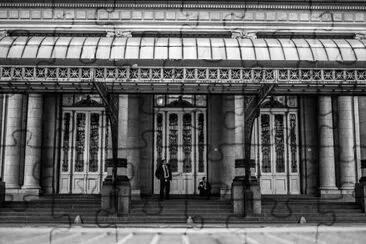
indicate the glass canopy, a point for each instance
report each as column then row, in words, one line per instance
column 119, row 48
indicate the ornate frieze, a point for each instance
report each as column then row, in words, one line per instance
column 180, row 74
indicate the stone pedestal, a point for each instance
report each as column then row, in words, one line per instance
column 247, row 199
column 255, row 188
column 253, row 199
column 116, row 195
column 237, row 189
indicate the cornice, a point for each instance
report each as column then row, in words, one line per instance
column 111, row 6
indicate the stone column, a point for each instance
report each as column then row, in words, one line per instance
column 13, row 137
column 227, row 145
column 326, row 148
column 33, row 147
column 50, row 144
column 239, row 127
column 361, row 186
column 128, row 142
column 362, row 123
column 346, row 144
column 133, row 144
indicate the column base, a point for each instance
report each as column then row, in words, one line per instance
column 225, row 193
column 348, row 195
column 136, row 194
column 22, row 195
column 120, row 194
column 330, row 192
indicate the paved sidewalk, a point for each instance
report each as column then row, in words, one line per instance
column 255, row 235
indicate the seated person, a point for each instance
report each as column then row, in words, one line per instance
column 204, row 188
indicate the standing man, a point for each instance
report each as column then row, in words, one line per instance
column 164, row 174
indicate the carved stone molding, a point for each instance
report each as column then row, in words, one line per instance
column 187, row 5
column 224, row 16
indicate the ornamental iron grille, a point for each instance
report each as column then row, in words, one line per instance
column 94, row 142
column 187, row 143
column 159, row 136
column 279, row 143
column 173, row 142
column 201, row 143
column 80, row 142
column 266, row 143
column 179, row 74
column 293, row 143
column 66, row 142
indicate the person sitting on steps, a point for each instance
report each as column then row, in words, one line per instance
column 205, row 188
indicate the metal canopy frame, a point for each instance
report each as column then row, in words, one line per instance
column 114, row 49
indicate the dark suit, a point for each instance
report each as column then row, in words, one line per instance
column 165, row 176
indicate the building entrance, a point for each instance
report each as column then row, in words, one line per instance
column 180, row 138
column 278, row 150
column 82, row 152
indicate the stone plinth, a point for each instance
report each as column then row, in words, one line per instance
column 116, row 194
column 255, row 188
column 237, row 190
column 119, row 194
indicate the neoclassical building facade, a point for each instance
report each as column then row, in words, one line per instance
column 183, row 75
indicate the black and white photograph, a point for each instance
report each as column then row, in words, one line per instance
column 182, row 121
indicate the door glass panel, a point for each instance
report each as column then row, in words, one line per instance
column 266, row 143
column 173, row 142
column 201, row 143
column 80, row 142
column 293, row 142
column 66, row 139
column 94, row 143
column 279, row 143
column 187, row 143
column 159, row 137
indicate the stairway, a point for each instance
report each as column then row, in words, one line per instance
column 62, row 209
